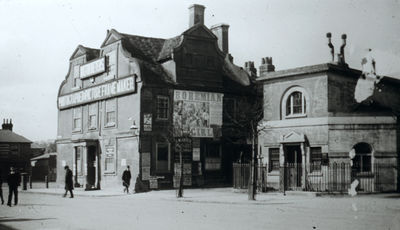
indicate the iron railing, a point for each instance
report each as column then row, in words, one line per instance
column 332, row 177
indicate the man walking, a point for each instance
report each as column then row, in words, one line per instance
column 126, row 179
column 13, row 180
column 68, row 182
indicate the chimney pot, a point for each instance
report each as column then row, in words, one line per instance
column 222, row 33
column 249, row 67
column 266, row 65
column 196, row 15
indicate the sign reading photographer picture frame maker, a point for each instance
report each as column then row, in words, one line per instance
column 198, row 112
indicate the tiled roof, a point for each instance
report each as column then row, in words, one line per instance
column 153, row 51
column 143, row 47
column 148, row 51
column 10, row 136
column 168, row 47
column 92, row 53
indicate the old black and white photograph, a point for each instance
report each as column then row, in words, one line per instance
column 200, row 114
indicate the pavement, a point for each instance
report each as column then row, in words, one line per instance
column 207, row 195
column 215, row 208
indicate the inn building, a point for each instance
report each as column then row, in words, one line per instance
column 128, row 102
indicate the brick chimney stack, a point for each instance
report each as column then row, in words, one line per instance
column 266, row 65
column 6, row 125
column 222, row 32
column 196, row 15
column 249, row 67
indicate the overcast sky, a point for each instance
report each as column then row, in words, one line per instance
column 38, row 38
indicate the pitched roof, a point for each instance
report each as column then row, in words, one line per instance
column 153, row 51
column 168, row 47
column 148, row 50
column 44, row 156
column 10, row 136
column 91, row 53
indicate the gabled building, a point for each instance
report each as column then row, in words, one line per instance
column 15, row 150
column 318, row 137
column 126, row 103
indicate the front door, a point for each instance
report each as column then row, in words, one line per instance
column 91, row 167
column 293, row 167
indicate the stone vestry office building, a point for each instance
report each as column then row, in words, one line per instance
column 314, row 124
column 118, row 104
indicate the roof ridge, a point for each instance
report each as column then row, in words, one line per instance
column 140, row 36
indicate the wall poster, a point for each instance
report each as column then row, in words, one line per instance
column 147, row 122
column 198, row 112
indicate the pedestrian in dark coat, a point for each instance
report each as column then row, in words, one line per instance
column 13, row 180
column 126, row 179
column 1, row 189
column 69, row 186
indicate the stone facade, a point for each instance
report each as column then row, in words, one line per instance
column 311, row 116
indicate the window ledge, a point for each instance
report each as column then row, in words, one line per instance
column 77, row 131
column 110, row 125
column 296, row 116
column 75, row 88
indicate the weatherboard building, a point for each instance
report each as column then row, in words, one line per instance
column 124, row 104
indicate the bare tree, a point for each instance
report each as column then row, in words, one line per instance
column 246, row 121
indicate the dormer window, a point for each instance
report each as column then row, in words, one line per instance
column 294, row 103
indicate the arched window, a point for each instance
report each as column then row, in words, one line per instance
column 362, row 159
column 294, row 103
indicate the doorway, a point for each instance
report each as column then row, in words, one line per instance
column 91, row 167
column 293, row 167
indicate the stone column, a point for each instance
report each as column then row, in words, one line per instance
column 303, row 167
column 96, row 180
column 282, row 185
column 85, row 165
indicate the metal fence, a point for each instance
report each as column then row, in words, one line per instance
column 333, row 177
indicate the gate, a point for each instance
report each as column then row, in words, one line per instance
column 293, row 173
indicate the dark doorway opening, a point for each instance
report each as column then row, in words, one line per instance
column 293, row 167
column 91, row 167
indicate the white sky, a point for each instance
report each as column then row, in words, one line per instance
column 38, row 38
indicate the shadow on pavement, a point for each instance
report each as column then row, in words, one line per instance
column 34, row 205
column 4, row 227
column 396, row 196
column 7, row 219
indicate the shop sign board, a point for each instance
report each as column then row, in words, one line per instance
column 99, row 92
column 197, row 112
column 93, row 68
